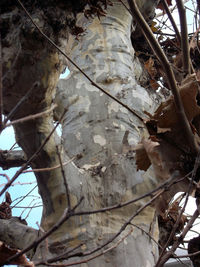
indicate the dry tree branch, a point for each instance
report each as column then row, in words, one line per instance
column 184, row 37
column 32, row 117
column 164, row 186
column 9, row 159
column 123, row 227
column 51, row 168
column 168, row 12
column 168, row 71
column 59, row 257
column 64, row 179
column 179, row 240
column 148, row 234
column 23, row 197
column 72, row 62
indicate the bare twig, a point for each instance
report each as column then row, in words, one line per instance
column 194, row 171
column 63, row 256
column 150, row 236
column 179, row 240
column 6, row 176
column 93, row 257
column 168, row 71
column 25, row 196
column 31, row 117
column 66, row 215
column 64, row 179
column 50, row 168
column 32, row 157
column 184, row 37
column 128, row 222
column 168, row 12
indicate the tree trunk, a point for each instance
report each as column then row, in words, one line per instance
column 95, row 127
column 102, row 133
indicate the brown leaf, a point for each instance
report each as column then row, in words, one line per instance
column 166, row 114
column 154, row 84
column 149, row 66
column 142, row 160
column 7, row 252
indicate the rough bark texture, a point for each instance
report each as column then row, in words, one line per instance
column 94, row 126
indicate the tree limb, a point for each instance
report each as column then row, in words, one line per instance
column 12, row 158
column 12, row 231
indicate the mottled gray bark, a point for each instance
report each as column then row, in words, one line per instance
column 10, row 159
column 94, row 126
column 12, row 232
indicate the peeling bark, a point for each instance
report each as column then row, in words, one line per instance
column 94, row 126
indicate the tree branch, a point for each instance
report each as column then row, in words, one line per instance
column 12, row 158
column 168, row 71
column 171, row 20
column 12, row 231
column 184, row 37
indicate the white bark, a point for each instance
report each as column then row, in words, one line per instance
column 95, row 125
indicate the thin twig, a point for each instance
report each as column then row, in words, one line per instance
column 128, row 222
column 93, row 257
column 59, row 257
column 168, row 12
column 32, row 157
column 184, row 37
column 66, row 215
column 50, row 168
column 165, row 185
column 19, row 103
column 194, row 171
column 24, row 196
column 31, row 117
column 64, row 179
column 73, row 63
column 168, row 71
column 143, row 231
column 179, row 240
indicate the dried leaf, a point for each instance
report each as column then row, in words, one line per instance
column 142, row 160
column 7, row 252
column 166, row 114
column 154, row 84
column 149, row 66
